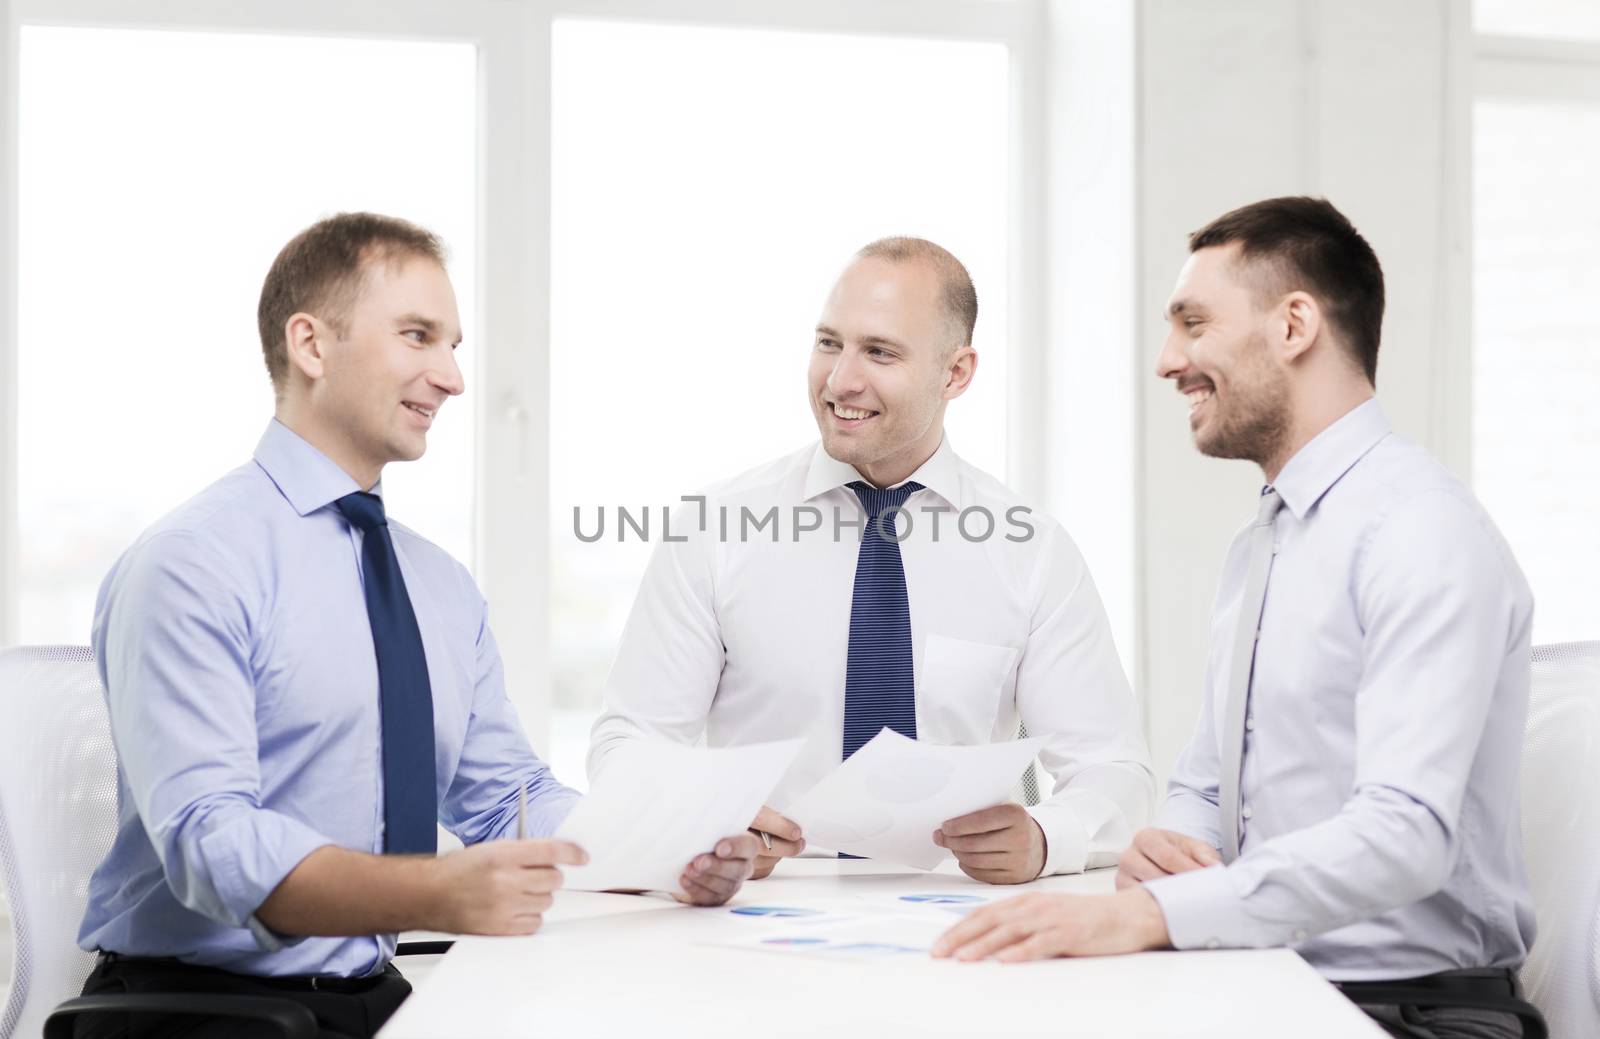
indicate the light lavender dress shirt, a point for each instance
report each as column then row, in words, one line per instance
column 243, row 691
column 1380, row 789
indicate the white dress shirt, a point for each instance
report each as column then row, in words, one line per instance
column 740, row 641
column 1380, row 832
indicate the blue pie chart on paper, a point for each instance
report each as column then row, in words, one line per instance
column 943, row 899
column 773, row 911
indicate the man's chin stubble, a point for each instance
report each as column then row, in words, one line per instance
column 1258, row 444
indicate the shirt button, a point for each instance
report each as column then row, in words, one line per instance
column 1250, row 722
column 1213, row 944
column 1248, row 812
column 1299, row 935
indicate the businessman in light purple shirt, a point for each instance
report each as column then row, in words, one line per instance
column 1351, row 791
column 244, row 693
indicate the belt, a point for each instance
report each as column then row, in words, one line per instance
column 281, row 982
column 1493, row 988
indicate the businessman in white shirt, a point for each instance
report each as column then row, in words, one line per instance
column 1351, row 790
column 875, row 579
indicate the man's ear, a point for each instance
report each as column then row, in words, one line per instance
column 959, row 370
column 303, row 336
column 1302, row 325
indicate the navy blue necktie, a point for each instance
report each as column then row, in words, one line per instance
column 878, row 687
column 405, row 697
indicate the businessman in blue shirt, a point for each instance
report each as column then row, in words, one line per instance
column 300, row 689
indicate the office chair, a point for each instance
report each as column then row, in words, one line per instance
column 58, row 815
column 1561, row 836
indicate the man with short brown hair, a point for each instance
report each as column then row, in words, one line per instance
column 322, row 270
column 302, row 690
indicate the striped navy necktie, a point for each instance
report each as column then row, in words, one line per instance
column 878, row 686
column 405, row 696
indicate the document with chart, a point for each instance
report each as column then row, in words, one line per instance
column 881, row 925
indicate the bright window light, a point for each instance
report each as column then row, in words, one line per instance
column 709, row 185
column 160, row 172
column 1551, row 19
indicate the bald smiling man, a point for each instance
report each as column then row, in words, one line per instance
column 894, row 585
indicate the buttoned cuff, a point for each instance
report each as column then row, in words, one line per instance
column 1205, row 911
column 247, row 857
column 1066, row 841
column 1201, row 909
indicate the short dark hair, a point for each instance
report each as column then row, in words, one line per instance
column 960, row 299
column 321, row 271
column 1306, row 244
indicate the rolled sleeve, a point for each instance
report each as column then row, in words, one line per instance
column 247, row 858
column 174, row 653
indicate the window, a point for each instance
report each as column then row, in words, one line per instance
column 1536, row 356
column 1538, row 18
column 159, row 174
column 612, row 205
column 707, row 187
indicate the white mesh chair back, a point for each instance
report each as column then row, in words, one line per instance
column 1561, row 836
column 58, row 814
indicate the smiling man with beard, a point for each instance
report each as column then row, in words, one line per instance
column 897, row 587
column 1351, row 790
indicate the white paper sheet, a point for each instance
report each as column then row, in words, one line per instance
column 657, row 805
column 889, row 797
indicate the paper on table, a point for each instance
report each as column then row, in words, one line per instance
column 657, row 805
column 889, row 797
column 883, row 937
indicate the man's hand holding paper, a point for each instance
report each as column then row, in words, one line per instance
column 998, row 845
column 887, row 799
column 665, row 817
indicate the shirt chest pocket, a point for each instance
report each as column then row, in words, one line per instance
column 959, row 688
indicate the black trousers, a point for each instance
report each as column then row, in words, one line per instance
column 1433, row 1007
column 345, row 1008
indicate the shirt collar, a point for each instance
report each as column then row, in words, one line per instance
column 939, row 474
column 1319, row 465
column 305, row 476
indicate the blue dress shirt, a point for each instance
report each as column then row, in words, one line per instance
column 1380, row 832
column 240, row 675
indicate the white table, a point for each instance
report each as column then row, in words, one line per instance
column 627, row 965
